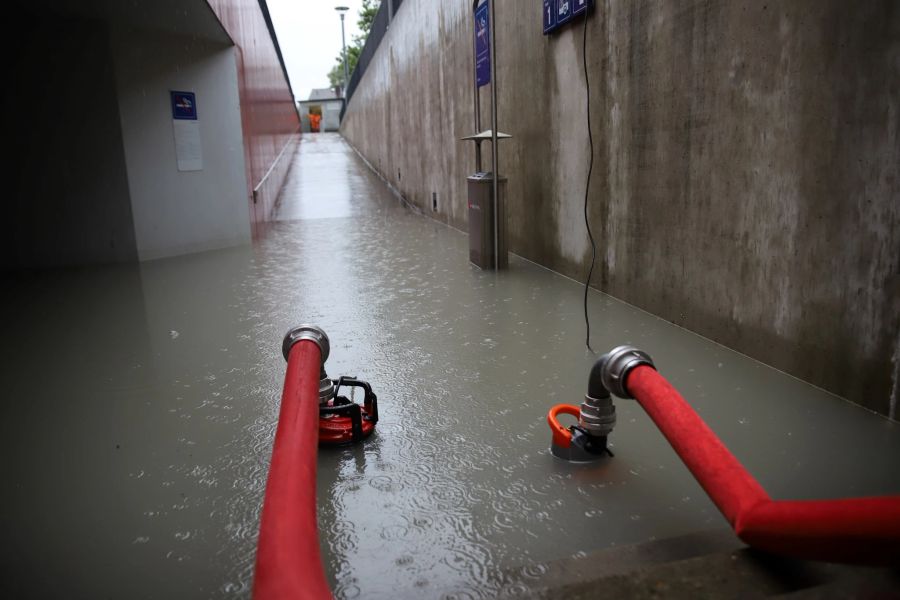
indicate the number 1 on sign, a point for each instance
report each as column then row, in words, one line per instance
column 549, row 15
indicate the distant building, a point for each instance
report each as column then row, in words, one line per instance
column 326, row 102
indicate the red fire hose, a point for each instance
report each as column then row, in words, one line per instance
column 288, row 562
column 857, row 531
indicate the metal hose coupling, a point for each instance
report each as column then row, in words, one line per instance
column 316, row 334
column 306, row 331
column 618, row 362
column 597, row 416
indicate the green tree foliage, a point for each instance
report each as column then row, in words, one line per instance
column 366, row 17
column 336, row 74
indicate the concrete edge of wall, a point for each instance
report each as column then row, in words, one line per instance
column 396, row 192
column 218, row 243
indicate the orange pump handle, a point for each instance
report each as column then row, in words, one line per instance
column 562, row 437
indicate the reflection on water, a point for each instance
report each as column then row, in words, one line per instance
column 140, row 405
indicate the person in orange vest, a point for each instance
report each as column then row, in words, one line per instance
column 314, row 121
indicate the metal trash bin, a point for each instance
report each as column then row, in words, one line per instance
column 481, row 221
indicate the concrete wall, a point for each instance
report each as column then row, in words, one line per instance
column 331, row 116
column 746, row 174
column 61, row 124
column 180, row 212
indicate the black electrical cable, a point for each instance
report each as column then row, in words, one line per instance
column 587, row 188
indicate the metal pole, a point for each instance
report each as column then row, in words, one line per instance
column 494, row 150
column 346, row 66
column 477, row 97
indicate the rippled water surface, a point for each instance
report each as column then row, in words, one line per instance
column 140, row 405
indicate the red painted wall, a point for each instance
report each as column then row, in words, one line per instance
column 268, row 114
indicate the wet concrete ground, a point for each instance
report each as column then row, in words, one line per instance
column 140, row 404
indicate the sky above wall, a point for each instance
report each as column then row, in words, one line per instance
column 309, row 33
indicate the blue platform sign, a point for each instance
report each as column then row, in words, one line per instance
column 482, row 45
column 184, row 106
column 559, row 12
column 564, row 12
column 549, row 15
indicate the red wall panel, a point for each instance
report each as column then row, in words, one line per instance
column 268, row 114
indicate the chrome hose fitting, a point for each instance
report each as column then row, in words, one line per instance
column 326, row 387
column 313, row 333
column 619, row 362
column 597, row 416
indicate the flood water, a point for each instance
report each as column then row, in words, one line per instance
column 140, row 405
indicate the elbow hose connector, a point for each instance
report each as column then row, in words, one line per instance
column 598, row 413
column 614, row 367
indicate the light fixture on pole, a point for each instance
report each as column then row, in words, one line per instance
column 342, row 10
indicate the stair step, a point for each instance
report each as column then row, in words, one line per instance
column 701, row 565
column 616, row 560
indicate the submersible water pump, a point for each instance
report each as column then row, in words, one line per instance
column 586, row 441
column 341, row 421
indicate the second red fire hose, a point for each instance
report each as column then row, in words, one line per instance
column 857, row 530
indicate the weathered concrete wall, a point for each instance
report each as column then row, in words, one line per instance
column 746, row 174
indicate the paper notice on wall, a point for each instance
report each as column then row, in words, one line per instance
column 186, row 127
column 188, row 151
